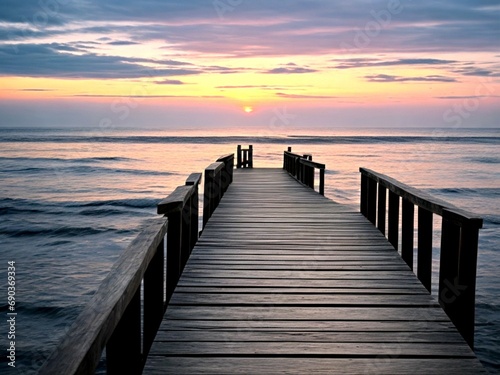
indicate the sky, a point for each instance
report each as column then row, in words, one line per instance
column 248, row 64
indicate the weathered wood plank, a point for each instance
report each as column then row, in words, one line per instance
column 391, row 364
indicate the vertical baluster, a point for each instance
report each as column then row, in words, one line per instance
column 322, row 181
column 424, row 256
column 238, row 156
column 125, row 342
column 185, row 232
column 174, row 242
column 407, row 235
column 250, row 156
column 448, row 266
column 372, row 200
column 364, row 195
column 153, row 297
column 393, row 234
column 381, row 208
column 466, row 285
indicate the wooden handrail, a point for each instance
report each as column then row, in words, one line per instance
column 112, row 318
column 459, row 241
column 302, row 168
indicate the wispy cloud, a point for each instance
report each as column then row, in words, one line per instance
column 299, row 96
column 36, row 90
column 454, row 97
column 122, row 43
column 368, row 63
column 170, row 82
column 52, row 60
column 391, row 78
column 149, row 96
column 290, row 68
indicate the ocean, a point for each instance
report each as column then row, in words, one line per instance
column 72, row 199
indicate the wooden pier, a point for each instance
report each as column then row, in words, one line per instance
column 282, row 280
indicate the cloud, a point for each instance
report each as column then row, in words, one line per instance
column 452, row 97
column 391, row 78
column 122, row 43
column 477, row 72
column 368, row 63
column 148, row 96
column 52, row 63
column 36, row 90
column 170, row 82
column 290, row 68
column 296, row 96
column 261, row 87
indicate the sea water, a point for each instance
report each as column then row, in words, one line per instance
column 72, row 199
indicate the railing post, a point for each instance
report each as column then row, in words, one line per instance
column 393, row 233
column 125, row 342
column 372, row 200
column 322, row 181
column 381, row 208
column 176, row 207
column 213, row 190
column 227, row 172
column 448, row 267
column 238, row 156
column 174, row 241
column 424, row 254
column 250, row 156
column 364, row 195
column 186, row 233
column 408, row 227
column 154, row 305
column 467, row 269
column 194, row 180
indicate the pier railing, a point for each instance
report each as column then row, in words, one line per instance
column 302, row 168
column 244, row 157
column 124, row 314
column 218, row 177
column 459, row 241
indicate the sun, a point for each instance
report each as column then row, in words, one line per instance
column 248, row 109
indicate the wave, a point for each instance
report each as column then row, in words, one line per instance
column 84, row 170
column 11, row 206
column 486, row 192
column 60, row 231
column 131, row 203
column 74, row 160
column 485, row 160
column 292, row 139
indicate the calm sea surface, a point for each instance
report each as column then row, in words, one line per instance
column 71, row 201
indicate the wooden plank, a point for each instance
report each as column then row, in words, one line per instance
column 318, row 300
column 312, row 349
column 345, row 326
column 391, row 364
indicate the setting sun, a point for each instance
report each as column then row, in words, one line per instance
column 248, row 109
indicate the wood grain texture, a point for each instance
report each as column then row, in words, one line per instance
column 283, row 280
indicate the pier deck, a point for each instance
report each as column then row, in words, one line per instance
column 284, row 280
